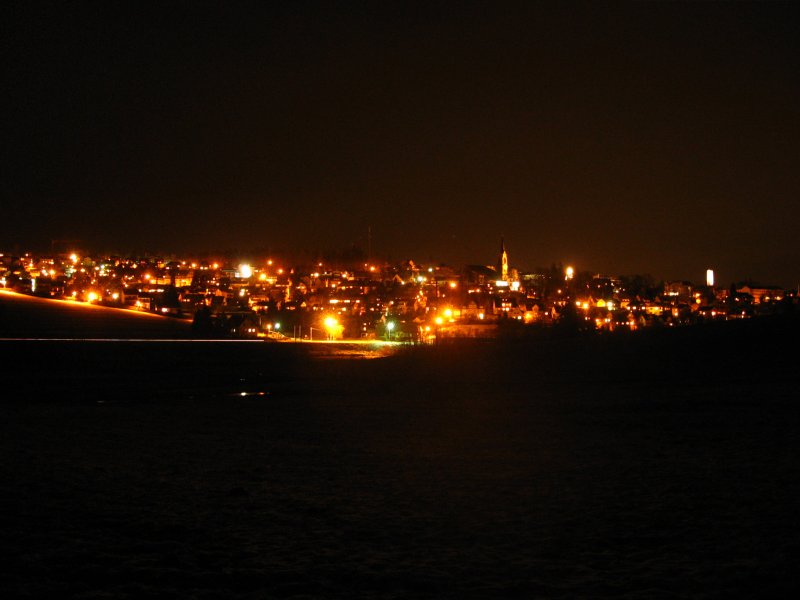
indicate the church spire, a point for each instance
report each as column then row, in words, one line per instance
column 503, row 260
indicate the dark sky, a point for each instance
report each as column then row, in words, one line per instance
column 650, row 137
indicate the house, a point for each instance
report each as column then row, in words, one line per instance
column 763, row 294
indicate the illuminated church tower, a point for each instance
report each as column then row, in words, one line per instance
column 503, row 260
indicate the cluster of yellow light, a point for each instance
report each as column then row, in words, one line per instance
column 333, row 327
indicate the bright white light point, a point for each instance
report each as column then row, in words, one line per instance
column 245, row 271
column 390, row 325
column 710, row 277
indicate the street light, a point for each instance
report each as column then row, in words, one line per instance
column 332, row 326
column 245, row 271
column 389, row 329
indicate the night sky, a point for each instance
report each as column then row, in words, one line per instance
column 622, row 138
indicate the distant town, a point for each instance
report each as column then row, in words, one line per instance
column 359, row 298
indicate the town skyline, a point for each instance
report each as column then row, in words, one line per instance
column 351, row 256
column 354, row 298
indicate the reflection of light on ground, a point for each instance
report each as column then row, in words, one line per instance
column 343, row 349
column 376, row 343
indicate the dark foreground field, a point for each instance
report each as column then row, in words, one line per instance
column 31, row 317
column 650, row 466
